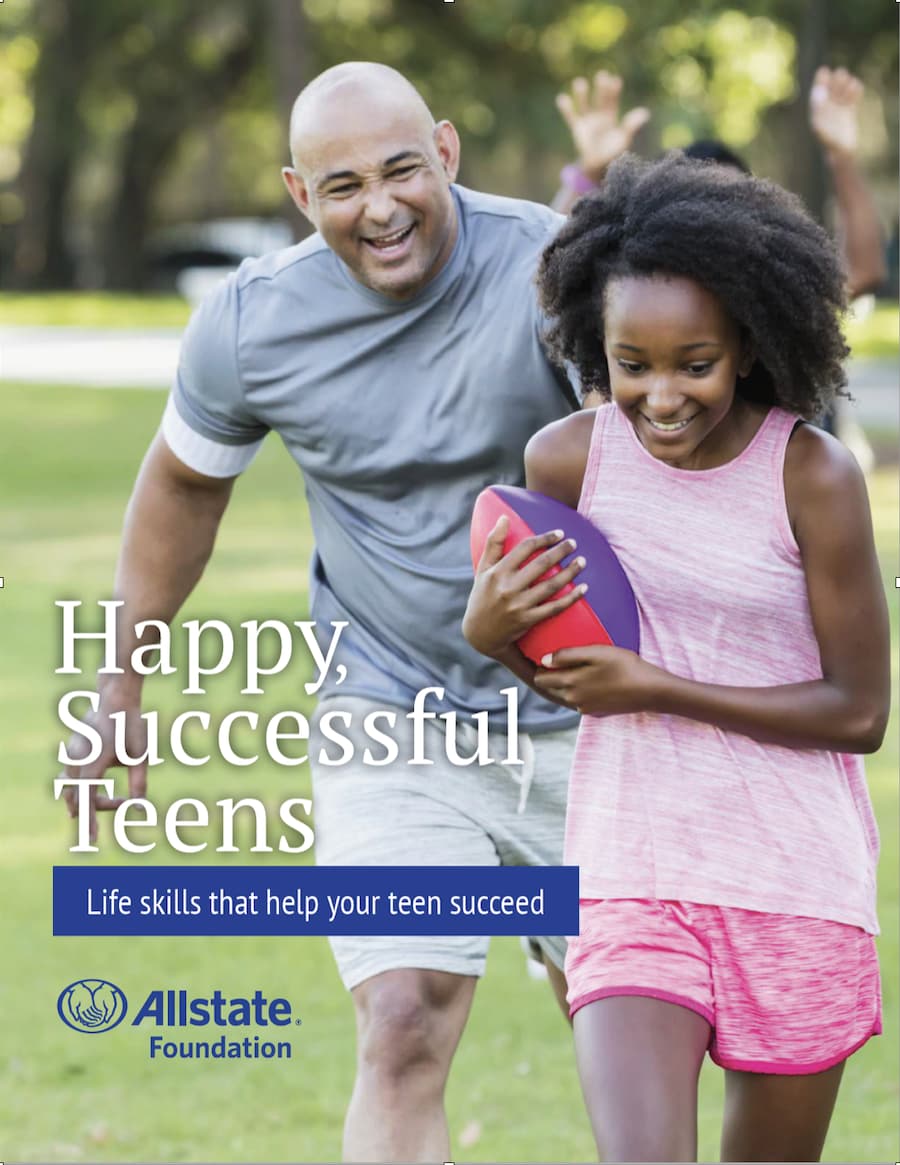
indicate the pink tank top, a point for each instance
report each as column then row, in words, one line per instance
column 665, row 807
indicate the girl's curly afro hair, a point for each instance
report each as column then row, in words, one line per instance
column 746, row 240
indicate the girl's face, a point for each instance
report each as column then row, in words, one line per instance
column 674, row 356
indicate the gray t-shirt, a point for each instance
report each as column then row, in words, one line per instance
column 398, row 414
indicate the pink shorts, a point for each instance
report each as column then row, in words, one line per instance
column 781, row 994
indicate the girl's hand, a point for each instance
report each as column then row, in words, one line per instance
column 598, row 681
column 507, row 599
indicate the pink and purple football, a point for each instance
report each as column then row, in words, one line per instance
column 606, row 614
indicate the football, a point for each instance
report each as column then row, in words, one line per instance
column 606, row 614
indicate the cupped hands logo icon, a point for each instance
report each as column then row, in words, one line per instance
column 92, row 1005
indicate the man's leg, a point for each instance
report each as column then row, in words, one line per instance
column 408, row 1026
column 411, row 994
column 558, row 984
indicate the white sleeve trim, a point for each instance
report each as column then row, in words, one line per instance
column 202, row 454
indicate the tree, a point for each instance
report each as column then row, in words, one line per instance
column 148, row 110
column 41, row 255
column 197, row 58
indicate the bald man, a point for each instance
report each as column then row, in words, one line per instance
column 397, row 352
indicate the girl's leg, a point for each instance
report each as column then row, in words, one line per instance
column 639, row 1060
column 777, row 1118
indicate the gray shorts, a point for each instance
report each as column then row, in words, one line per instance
column 435, row 815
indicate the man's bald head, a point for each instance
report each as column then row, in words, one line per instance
column 373, row 173
column 350, row 92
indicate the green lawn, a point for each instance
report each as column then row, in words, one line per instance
column 92, row 309
column 873, row 337
column 67, row 459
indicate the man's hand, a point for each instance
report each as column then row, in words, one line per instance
column 170, row 529
column 592, row 114
column 508, row 597
column 111, row 700
column 598, row 681
column 834, row 101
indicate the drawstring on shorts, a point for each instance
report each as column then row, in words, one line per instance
column 523, row 774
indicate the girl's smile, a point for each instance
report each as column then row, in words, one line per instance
column 669, row 426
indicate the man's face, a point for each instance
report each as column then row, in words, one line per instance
column 375, row 182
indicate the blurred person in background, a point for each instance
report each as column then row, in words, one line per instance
column 600, row 134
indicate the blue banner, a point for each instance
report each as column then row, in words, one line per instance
column 323, row 900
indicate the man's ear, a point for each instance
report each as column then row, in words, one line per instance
column 298, row 191
column 446, row 141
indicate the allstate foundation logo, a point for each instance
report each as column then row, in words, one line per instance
column 92, row 1005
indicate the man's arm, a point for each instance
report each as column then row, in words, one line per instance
column 170, row 529
column 834, row 118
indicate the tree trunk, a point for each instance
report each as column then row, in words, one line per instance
column 289, row 53
column 147, row 151
column 153, row 138
column 808, row 168
column 41, row 254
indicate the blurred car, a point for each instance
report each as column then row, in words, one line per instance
column 192, row 258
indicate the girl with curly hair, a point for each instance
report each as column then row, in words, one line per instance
column 718, row 809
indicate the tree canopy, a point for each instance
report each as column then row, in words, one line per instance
column 119, row 117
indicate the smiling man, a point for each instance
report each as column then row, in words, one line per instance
column 380, row 200
column 398, row 354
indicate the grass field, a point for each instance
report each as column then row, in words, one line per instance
column 872, row 336
column 67, row 460
column 92, row 309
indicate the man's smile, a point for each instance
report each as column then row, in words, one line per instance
column 392, row 244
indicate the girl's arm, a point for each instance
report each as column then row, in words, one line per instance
column 846, row 710
column 556, row 457
column 507, row 600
